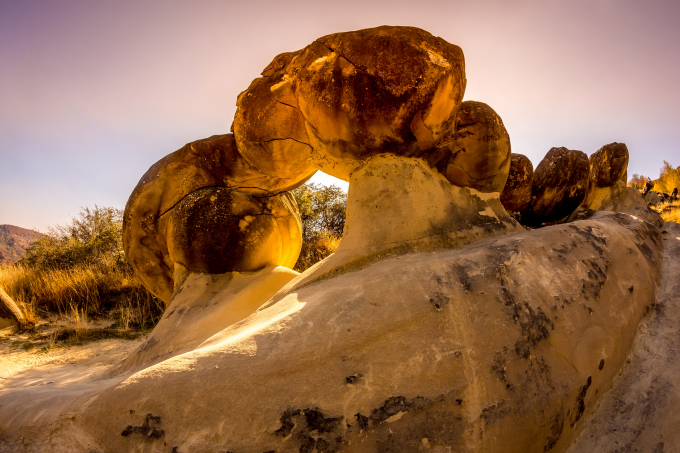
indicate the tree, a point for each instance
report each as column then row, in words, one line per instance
column 322, row 211
column 669, row 178
column 93, row 237
column 638, row 181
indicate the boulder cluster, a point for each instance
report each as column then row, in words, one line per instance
column 563, row 181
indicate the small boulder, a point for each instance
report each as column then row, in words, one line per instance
column 516, row 194
column 608, row 165
column 476, row 153
column 559, row 186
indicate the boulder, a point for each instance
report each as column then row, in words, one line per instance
column 516, row 194
column 608, row 165
column 211, row 162
column 349, row 96
column 476, row 153
column 559, row 186
column 217, row 230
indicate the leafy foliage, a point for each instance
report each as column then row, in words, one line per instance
column 638, row 181
column 669, row 178
column 323, row 211
column 94, row 237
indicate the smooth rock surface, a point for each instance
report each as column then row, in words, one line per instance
column 559, row 186
column 640, row 411
column 347, row 97
column 608, row 165
column 516, row 194
column 619, row 198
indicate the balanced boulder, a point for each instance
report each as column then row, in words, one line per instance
column 349, row 96
column 516, row 194
column 559, row 186
column 608, row 165
column 211, row 162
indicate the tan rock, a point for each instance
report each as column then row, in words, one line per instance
column 212, row 162
column 559, row 186
column 619, row 198
column 477, row 150
column 347, row 97
column 516, row 194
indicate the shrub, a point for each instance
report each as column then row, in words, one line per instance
column 669, row 178
column 323, row 211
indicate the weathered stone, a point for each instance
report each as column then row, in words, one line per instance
column 211, row 162
column 617, row 198
column 218, row 230
column 349, row 96
column 559, row 186
column 608, row 165
column 476, row 153
column 516, row 194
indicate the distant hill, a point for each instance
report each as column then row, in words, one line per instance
column 13, row 243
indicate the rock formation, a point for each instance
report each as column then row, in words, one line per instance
column 440, row 323
column 516, row 194
column 559, row 186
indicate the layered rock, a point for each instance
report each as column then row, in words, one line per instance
column 559, row 186
column 349, row 96
column 516, row 194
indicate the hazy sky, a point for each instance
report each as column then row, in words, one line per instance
column 94, row 92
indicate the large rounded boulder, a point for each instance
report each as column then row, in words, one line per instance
column 559, row 186
column 349, row 96
column 608, row 165
column 516, row 194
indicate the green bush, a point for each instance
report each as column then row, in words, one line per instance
column 323, row 211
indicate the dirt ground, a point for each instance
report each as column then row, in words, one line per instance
column 33, row 357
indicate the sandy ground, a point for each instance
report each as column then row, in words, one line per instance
column 27, row 361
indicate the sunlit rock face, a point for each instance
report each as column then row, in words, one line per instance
column 516, row 194
column 349, row 96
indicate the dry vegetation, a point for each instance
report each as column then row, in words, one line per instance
column 75, row 284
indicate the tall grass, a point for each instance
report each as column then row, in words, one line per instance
column 91, row 289
column 670, row 212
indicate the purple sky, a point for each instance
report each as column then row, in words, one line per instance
column 93, row 92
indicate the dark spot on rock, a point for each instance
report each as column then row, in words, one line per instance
column 495, row 412
column 354, row 378
column 148, row 430
column 631, row 289
column 303, row 422
column 556, row 429
column 362, row 421
column 587, row 233
column 580, row 401
column 601, row 365
column 463, row 277
column 459, row 401
column 597, row 277
column 438, row 301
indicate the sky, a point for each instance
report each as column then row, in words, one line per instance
column 92, row 93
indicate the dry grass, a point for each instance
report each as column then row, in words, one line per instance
column 313, row 251
column 82, row 292
column 670, row 211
